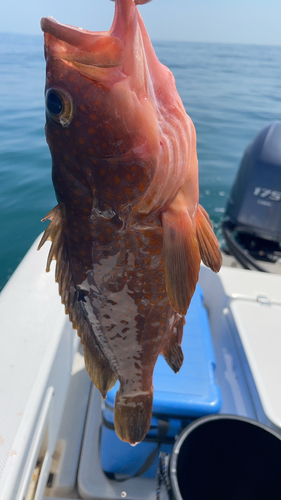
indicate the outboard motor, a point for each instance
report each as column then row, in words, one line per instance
column 252, row 226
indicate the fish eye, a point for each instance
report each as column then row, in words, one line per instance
column 59, row 106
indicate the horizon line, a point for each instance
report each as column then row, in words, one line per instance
column 154, row 40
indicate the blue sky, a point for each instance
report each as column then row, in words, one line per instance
column 229, row 21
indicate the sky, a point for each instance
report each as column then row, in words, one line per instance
column 224, row 21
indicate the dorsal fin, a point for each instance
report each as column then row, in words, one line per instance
column 97, row 365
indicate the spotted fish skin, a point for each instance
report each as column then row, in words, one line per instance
column 128, row 233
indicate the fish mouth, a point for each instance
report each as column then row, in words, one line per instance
column 80, row 46
column 96, row 54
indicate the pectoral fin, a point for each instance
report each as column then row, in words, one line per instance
column 181, row 257
column 208, row 243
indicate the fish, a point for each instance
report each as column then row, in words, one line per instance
column 128, row 233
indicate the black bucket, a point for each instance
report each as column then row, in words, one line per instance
column 224, row 457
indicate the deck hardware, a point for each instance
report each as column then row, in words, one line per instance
column 263, row 299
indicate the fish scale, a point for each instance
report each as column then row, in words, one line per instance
column 127, row 233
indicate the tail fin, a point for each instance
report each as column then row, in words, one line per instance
column 132, row 415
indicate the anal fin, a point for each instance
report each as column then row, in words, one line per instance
column 181, row 257
column 172, row 351
column 208, row 243
column 173, row 355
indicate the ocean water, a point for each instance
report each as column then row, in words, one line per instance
column 230, row 92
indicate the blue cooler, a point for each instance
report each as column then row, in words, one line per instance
column 178, row 399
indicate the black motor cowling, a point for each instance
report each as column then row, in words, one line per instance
column 254, row 206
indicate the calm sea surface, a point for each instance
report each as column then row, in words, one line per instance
column 230, row 92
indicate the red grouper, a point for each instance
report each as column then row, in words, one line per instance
column 128, row 234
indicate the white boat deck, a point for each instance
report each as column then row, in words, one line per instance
column 37, row 350
column 252, row 311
